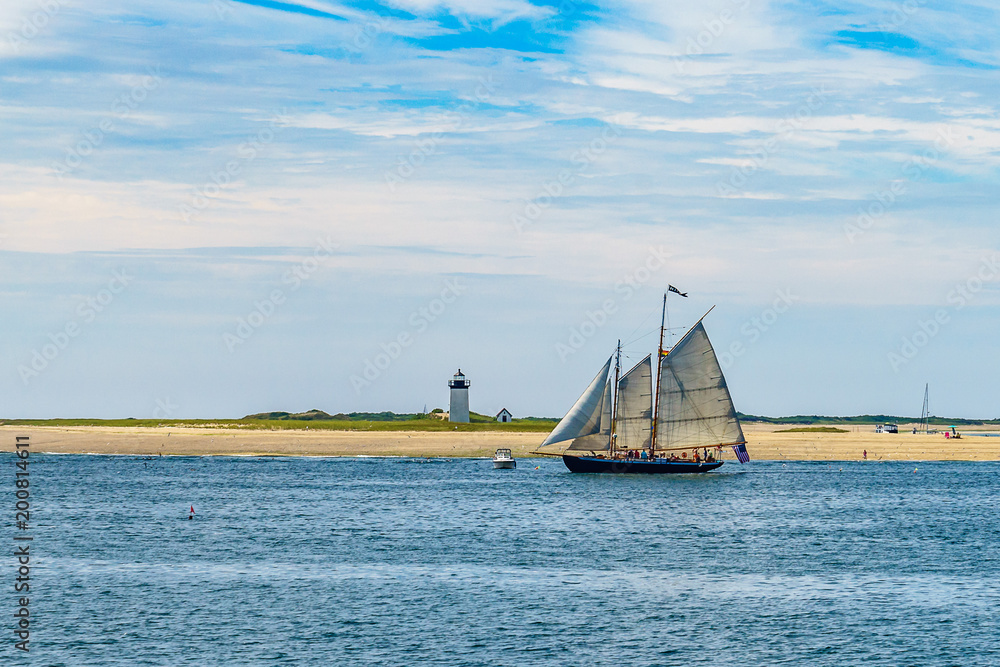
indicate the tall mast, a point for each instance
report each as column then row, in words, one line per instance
column 614, row 412
column 659, row 361
column 927, row 409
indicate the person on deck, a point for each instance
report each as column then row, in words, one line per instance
column 643, row 455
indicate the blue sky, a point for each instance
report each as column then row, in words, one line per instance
column 482, row 178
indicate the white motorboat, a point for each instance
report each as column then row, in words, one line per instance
column 504, row 460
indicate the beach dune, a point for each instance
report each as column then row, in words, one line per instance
column 764, row 443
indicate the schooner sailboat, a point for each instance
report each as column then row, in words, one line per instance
column 621, row 425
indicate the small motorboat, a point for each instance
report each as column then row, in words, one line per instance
column 503, row 460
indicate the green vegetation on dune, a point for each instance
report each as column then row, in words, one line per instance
column 813, row 429
column 863, row 419
column 310, row 415
column 314, row 420
column 319, row 415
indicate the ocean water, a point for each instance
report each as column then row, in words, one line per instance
column 327, row 561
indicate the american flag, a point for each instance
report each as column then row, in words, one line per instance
column 741, row 453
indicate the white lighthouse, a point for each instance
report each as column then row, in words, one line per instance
column 459, row 407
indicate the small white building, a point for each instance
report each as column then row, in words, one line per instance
column 887, row 428
column 504, row 416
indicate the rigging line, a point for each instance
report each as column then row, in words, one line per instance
column 641, row 324
column 638, row 338
column 651, row 332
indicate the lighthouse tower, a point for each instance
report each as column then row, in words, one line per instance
column 459, row 409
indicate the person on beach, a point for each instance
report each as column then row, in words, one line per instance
column 864, row 454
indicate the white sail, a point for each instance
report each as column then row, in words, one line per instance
column 635, row 407
column 606, row 405
column 583, row 419
column 695, row 408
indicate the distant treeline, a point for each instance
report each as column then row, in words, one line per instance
column 436, row 413
column 864, row 419
column 319, row 415
column 317, row 420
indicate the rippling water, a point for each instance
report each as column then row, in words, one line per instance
column 449, row 562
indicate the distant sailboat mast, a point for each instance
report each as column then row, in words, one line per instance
column 925, row 414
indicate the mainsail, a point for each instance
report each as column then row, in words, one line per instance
column 694, row 407
column 635, row 407
column 584, row 425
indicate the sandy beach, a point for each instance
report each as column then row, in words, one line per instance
column 764, row 443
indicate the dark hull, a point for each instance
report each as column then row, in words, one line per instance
column 589, row 464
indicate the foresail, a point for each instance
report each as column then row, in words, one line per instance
column 695, row 408
column 606, row 410
column 635, row 407
column 583, row 419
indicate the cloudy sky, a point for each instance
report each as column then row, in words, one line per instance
column 218, row 207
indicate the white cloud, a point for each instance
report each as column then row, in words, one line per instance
column 499, row 11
